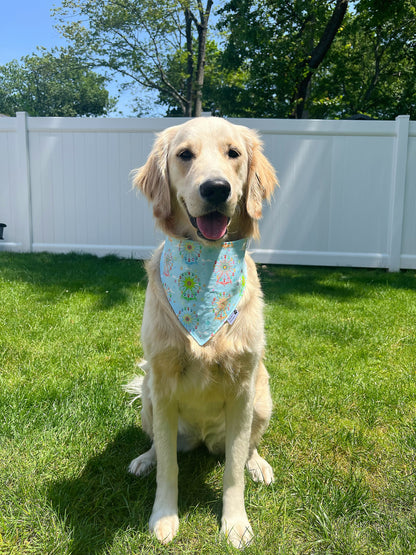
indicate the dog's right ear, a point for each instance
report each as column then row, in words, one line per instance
column 153, row 178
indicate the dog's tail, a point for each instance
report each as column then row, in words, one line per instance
column 135, row 387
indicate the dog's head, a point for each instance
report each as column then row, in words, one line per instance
column 207, row 179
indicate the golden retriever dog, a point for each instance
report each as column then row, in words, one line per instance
column 206, row 180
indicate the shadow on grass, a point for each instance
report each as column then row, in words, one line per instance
column 109, row 278
column 105, row 499
column 341, row 284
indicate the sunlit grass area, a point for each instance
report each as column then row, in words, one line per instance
column 342, row 441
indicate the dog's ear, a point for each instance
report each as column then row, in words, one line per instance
column 153, row 178
column 261, row 179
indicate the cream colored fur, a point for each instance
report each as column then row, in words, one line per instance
column 217, row 393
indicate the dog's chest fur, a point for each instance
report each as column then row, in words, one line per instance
column 201, row 378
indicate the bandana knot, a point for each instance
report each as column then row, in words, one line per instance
column 203, row 284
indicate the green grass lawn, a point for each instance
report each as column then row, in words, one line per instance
column 342, row 440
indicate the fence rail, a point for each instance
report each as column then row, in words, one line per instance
column 347, row 193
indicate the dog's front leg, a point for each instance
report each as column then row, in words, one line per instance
column 235, row 524
column 164, row 522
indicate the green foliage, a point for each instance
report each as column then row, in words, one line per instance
column 271, row 41
column 219, row 82
column 262, row 56
column 370, row 67
column 139, row 42
column 341, row 354
column 130, row 39
column 55, row 83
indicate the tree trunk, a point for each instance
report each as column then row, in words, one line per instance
column 316, row 57
column 378, row 56
column 202, row 27
column 202, row 35
column 190, row 63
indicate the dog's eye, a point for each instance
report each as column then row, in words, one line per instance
column 233, row 153
column 186, row 155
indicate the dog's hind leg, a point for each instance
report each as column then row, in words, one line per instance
column 143, row 464
column 139, row 388
column 259, row 469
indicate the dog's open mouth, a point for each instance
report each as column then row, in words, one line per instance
column 211, row 226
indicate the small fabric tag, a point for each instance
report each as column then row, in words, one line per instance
column 232, row 317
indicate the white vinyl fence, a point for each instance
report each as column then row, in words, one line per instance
column 347, row 192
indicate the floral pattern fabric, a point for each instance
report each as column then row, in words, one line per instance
column 203, row 284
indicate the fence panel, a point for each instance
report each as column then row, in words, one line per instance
column 347, row 191
column 82, row 193
column 333, row 203
column 408, row 248
column 9, row 198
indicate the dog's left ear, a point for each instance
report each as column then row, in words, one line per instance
column 261, row 179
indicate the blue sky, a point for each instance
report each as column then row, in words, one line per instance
column 24, row 25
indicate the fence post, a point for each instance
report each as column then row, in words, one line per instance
column 398, row 186
column 23, row 182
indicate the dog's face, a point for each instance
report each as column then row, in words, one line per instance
column 207, row 179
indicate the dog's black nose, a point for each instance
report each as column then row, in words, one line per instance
column 215, row 191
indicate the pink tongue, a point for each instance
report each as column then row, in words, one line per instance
column 213, row 226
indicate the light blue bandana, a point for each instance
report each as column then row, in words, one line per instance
column 203, row 284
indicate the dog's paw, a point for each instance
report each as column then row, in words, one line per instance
column 237, row 531
column 143, row 465
column 259, row 469
column 164, row 528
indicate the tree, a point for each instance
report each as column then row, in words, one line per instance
column 372, row 66
column 275, row 58
column 218, row 83
column 316, row 58
column 52, row 84
column 137, row 41
column 280, row 44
